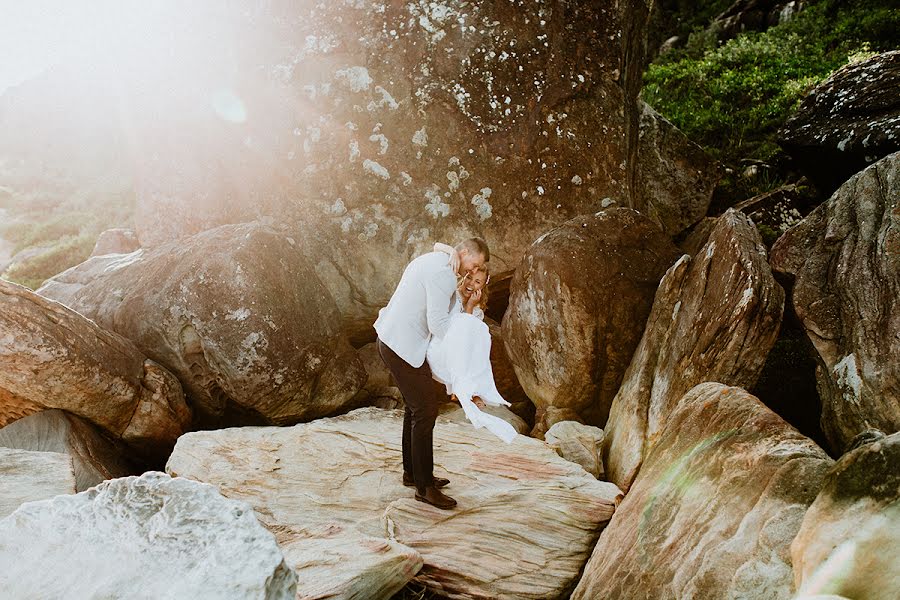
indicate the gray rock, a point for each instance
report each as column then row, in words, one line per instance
column 141, row 537
column 26, row 476
column 847, row 122
column 95, row 458
column 845, row 261
column 578, row 443
column 116, row 241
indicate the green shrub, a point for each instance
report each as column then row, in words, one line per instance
column 732, row 99
column 67, row 252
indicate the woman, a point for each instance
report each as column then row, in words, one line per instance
column 461, row 360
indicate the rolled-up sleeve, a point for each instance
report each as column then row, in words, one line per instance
column 439, row 290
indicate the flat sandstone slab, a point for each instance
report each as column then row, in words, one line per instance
column 526, row 522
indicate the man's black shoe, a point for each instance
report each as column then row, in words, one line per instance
column 435, row 497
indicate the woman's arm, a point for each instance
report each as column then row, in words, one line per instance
column 454, row 255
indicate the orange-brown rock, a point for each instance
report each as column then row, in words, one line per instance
column 715, row 318
column 53, row 357
column 714, row 508
column 577, row 307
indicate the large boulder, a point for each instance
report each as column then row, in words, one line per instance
column 237, row 313
column 847, row 122
column 714, row 509
column 373, row 133
column 27, row 475
column 715, row 318
column 525, row 523
column 675, row 175
column 577, row 307
column 848, row 542
column 845, row 261
column 141, row 537
column 94, row 457
column 53, row 357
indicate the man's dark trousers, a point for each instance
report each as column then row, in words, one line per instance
column 419, row 415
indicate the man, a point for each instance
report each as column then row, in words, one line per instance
column 418, row 310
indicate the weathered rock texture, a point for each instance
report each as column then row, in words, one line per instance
column 505, row 375
column 94, row 457
column 26, row 476
column 676, row 177
column 848, row 122
column 237, row 314
column 577, row 443
column 714, row 509
column 141, row 537
column 53, row 357
column 524, row 526
column 577, row 306
column 116, row 241
column 374, row 131
column 454, row 413
column 848, row 542
column 845, row 258
column 715, row 318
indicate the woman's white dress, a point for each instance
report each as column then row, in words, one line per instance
column 462, row 362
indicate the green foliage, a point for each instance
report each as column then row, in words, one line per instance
column 64, row 253
column 732, row 98
column 61, row 222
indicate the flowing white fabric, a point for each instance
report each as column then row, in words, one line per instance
column 462, row 362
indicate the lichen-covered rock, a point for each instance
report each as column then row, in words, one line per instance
column 389, row 129
column 715, row 318
column 53, row 357
column 116, row 241
column 27, row 475
column 676, row 176
column 776, row 211
column 849, row 542
column 845, row 260
column 525, row 522
column 577, row 306
column 237, row 313
column 141, row 537
column 95, row 458
column 714, row 509
column 847, row 122
column 577, row 443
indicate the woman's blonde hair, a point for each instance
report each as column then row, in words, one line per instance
column 482, row 304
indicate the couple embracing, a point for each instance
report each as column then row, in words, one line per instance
column 433, row 328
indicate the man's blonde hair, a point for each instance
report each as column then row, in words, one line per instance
column 475, row 245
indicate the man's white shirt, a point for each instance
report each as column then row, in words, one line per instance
column 419, row 308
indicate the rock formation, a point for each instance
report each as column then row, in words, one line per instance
column 715, row 318
column 577, row 443
column 94, row 457
column 141, row 537
column 847, row 544
column 237, row 313
column 525, row 523
column 577, row 306
column 845, row 261
column 26, row 476
column 677, row 195
column 53, row 357
column 847, row 122
column 714, row 509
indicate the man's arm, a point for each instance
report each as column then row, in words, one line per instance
column 439, row 289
